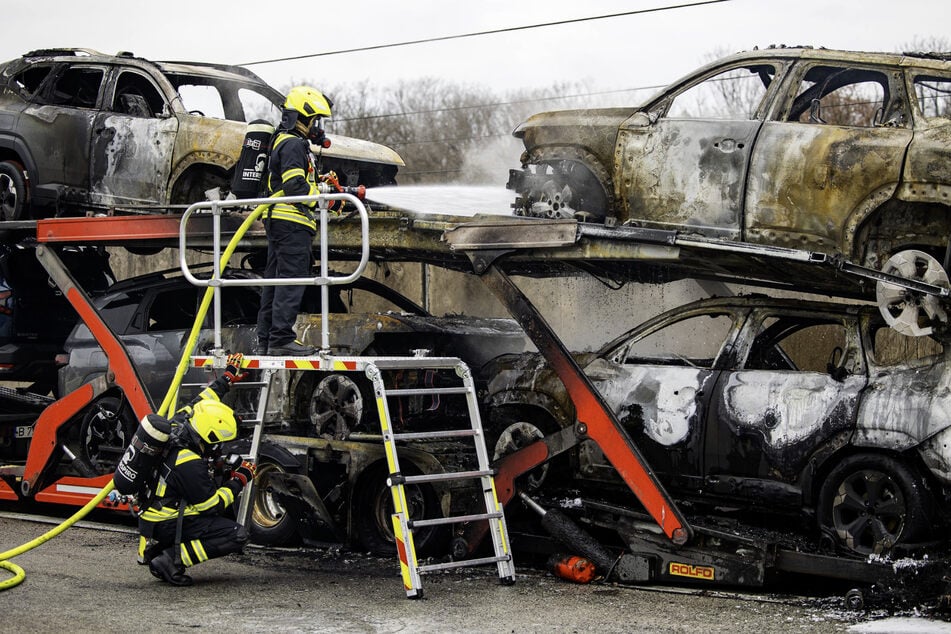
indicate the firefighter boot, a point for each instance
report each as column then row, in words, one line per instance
column 165, row 568
column 292, row 349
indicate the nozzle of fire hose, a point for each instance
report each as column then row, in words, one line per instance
column 562, row 528
column 359, row 191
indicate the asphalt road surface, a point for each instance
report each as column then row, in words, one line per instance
column 87, row 580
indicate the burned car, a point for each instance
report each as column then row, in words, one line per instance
column 83, row 131
column 823, row 150
column 322, row 426
column 809, row 410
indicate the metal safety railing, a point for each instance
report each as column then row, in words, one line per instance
column 323, row 280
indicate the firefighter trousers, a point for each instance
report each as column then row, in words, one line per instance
column 289, row 255
column 204, row 537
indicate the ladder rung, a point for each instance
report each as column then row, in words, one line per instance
column 422, row 435
column 426, row 391
column 455, row 519
column 442, row 477
column 464, row 563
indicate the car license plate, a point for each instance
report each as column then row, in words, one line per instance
column 23, row 431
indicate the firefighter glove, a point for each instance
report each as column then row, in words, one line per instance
column 244, row 473
column 233, row 372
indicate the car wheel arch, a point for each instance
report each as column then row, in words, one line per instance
column 197, row 166
column 602, row 175
column 532, row 404
column 883, row 213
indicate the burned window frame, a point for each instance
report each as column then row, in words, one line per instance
column 894, row 105
column 159, row 110
column 914, row 76
column 49, row 86
column 40, row 86
column 790, row 323
column 659, row 108
column 618, row 350
column 875, row 323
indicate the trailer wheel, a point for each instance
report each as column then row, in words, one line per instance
column 873, row 502
column 373, row 509
column 13, row 192
column 105, row 432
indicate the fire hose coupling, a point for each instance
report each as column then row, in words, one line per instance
column 115, row 498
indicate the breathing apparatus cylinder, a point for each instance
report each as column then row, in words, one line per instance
column 251, row 168
column 141, row 456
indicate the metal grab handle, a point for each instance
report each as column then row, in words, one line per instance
column 323, row 280
column 216, row 207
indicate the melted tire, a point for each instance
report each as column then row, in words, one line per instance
column 372, row 509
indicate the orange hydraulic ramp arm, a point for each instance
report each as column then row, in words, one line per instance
column 121, row 373
column 596, row 420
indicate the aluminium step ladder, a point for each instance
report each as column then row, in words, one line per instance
column 403, row 525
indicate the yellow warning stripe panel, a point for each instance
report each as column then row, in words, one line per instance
column 401, row 551
column 498, row 507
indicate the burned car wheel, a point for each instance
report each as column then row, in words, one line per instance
column 337, row 406
column 13, row 194
column 511, row 430
column 372, row 510
column 872, row 503
column 106, row 431
column 560, row 189
column 270, row 522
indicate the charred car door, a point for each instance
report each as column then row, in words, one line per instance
column 797, row 388
column 131, row 142
column 659, row 382
column 833, row 151
column 59, row 123
column 684, row 159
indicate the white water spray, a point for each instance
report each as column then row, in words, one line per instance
column 457, row 200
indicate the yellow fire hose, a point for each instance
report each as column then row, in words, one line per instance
column 18, row 573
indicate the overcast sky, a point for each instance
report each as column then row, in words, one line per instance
column 621, row 52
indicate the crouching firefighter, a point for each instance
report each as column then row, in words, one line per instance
column 182, row 522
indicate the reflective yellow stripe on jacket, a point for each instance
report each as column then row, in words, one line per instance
column 293, row 213
column 223, row 494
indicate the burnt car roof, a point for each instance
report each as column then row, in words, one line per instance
column 126, row 57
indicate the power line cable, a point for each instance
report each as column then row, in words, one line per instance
column 481, row 33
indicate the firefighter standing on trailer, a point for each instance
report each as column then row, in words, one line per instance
column 182, row 524
column 290, row 228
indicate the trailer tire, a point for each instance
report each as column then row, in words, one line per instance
column 871, row 503
column 372, row 510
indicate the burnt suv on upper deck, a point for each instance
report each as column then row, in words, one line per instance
column 832, row 151
column 81, row 131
